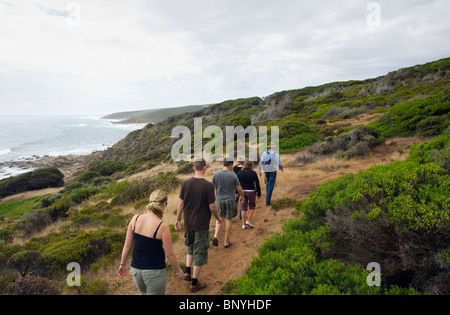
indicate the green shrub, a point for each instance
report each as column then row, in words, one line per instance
column 87, row 176
column 292, row 264
column 39, row 179
column 80, row 194
column 24, row 262
column 284, row 203
column 397, row 215
column 429, row 116
column 109, row 168
column 133, row 191
column 84, row 248
column 95, row 287
column 295, row 135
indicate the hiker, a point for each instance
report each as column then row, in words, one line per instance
column 238, row 167
column 226, row 183
column 250, row 186
column 197, row 202
column 152, row 243
column 270, row 162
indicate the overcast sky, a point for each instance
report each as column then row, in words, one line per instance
column 103, row 56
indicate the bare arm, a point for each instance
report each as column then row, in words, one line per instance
column 126, row 249
column 213, row 209
column 240, row 192
column 179, row 214
column 168, row 249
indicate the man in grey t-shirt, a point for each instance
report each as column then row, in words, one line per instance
column 226, row 183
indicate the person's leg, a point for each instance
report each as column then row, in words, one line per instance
column 220, row 210
column 271, row 179
column 228, row 224
column 200, row 258
column 244, row 208
column 189, row 261
column 196, row 272
column 190, row 254
column 230, row 213
column 251, row 206
column 218, row 227
column 250, row 215
column 244, row 218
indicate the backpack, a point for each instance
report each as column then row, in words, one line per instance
column 268, row 159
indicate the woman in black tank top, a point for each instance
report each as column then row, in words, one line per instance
column 148, row 266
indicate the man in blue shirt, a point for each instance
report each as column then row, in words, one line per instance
column 270, row 162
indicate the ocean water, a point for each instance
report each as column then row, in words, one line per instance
column 29, row 137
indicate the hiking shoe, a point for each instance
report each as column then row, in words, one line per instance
column 215, row 241
column 198, row 287
column 187, row 277
column 249, row 224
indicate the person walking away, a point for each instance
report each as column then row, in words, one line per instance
column 152, row 243
column 197, row 202
column 226, row 183
column 270, row 162
column 237, row 168
column 251, row 188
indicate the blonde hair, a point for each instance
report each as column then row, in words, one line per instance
column 157, row 198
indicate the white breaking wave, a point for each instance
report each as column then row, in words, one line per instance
column 78, row 125
column 5, row 151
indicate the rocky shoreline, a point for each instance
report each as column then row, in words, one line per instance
column 70, row 165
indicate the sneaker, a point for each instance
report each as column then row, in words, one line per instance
column 249, row 224
column 187, row 277
column 197, row 287
column 243, row 227
column 215, row 241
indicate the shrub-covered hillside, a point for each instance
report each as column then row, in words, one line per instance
column 87, row 223
column 397, row 215
column 312, row 114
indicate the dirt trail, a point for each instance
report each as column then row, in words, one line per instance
column 297, row 182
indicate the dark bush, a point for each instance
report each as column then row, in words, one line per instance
column 34, row 221
column 24, row 262
column 109, row 168
column 87, row 176
column 357, row 142
column 39, row 179
column 396, row 215
column 32, row 286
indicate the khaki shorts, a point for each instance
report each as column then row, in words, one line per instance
column 197, row 243
column 150, row 282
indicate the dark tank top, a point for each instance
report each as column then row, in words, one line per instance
column 148, row 253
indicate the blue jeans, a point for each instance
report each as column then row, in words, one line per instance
column 271, row 179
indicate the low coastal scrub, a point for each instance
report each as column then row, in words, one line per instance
column 426, row 117
column 396, row 215
column 39, row 179
column 89, row 229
